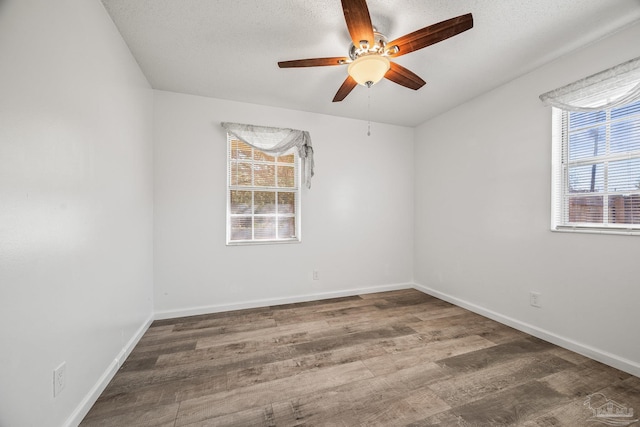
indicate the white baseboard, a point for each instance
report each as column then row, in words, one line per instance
column 194, row 311
column 605, row 357
column 85, row 405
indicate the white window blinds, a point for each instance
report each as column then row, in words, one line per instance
column 597, row 170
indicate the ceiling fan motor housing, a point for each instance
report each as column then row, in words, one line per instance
column 379, row 47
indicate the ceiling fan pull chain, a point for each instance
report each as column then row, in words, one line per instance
column 369, row 110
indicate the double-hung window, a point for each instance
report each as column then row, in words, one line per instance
column 596, row 152
column 597, row 170
column 263, row 195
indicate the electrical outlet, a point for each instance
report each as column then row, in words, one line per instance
column 316, row 275
column 59, row 378
column 535, row 299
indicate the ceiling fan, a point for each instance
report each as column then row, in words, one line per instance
column 368, row 60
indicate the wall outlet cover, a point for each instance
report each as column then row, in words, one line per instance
column 535, row 299
column 59, row 378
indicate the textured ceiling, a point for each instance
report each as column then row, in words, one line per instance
column 229, row 49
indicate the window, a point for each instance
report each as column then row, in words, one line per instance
column 597, row 170
column 263, row 197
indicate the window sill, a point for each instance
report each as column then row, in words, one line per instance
column 597, row 230
column 262, row 242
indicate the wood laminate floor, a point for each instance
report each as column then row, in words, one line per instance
column 398, row 358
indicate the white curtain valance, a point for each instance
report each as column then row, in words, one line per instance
column 610, row 88
column 276, row 142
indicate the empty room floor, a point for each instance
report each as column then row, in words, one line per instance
column 399, row 358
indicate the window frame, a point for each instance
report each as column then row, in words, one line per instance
column 297, row 215
column 560, row 178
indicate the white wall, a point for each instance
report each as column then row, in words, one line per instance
column 357, row 219
column 483, row 217
column 75, row 206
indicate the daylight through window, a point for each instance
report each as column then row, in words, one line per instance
column 597, row 181
column 263, row 200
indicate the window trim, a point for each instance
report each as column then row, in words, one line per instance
column 559, row 177
column 296, row 190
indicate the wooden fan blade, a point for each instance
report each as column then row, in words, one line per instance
column 356, row 13
column 345, row 89
column 432, row 34
column 313, row 62
column 404, row 77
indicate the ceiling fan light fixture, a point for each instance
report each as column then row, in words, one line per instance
column 392, row 50
column 368, row 70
